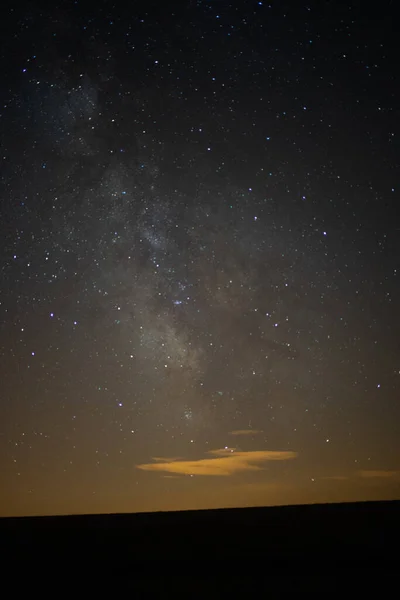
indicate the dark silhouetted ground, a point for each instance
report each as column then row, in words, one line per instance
column 227, row 544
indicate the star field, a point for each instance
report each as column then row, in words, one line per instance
column 199, row 257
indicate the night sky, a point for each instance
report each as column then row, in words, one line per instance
column 199, row 255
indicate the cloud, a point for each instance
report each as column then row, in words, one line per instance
column 228, row 462
column 379, row 474
column 336, row 477
column 245, row 432
column 171, row 459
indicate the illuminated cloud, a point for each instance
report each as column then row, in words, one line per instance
column 170, row 459
column 379, row 474
column 228, row 462
column 222, row 451
column 245, row 432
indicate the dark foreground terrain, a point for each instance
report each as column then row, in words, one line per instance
column 225, row 543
